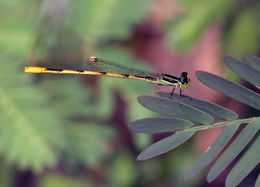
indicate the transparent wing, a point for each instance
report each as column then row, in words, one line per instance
column 101, row 65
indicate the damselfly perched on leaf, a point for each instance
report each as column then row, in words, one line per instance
column 98, row 66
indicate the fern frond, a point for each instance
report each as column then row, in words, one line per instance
column 29, row 132
column 87, row 143
column 246, row 164
column 216, row 147
column 234, row 149
column 184, row 109
column 72, row 104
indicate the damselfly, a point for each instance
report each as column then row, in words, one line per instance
column 98, row 66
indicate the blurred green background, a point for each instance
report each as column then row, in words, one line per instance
column 69, row 130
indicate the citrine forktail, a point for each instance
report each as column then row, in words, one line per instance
column 98, row 66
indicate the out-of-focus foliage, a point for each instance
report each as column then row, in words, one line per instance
column 242, row 28
column 29, row 131
column 241, row 36
column 185, row 30
column 100, row 20
column 6, row 174
column 123, row 170
column 16, row 33
column 26, row 118
column 83, row 143
column 55, row 179
column 39, row 123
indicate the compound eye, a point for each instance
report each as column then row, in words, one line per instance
column 184, row 74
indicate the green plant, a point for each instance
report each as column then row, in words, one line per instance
column 40, row 115
column 185, row 111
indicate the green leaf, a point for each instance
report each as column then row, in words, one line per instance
column 247, row 163
column 29, row 131
column 187, row 28
column 16, row 33
column 175, row 109
column 234, row 149
column 52, row 179
column 214, row 110
column 215, row 148
column 243, row 70
column 100, row 20
column 159, row 125
column 75, row 107
column 7, row 174
column 87, row 143
column 241, row 35
column 37, row 133
column 165, row 145
column 253, row 61
column 66, row 94
column 257, row 183
column 230, row 89
column 122, row 165
column 177, row 106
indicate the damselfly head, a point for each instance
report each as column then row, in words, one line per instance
column 92, row 59
column 185, row 80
